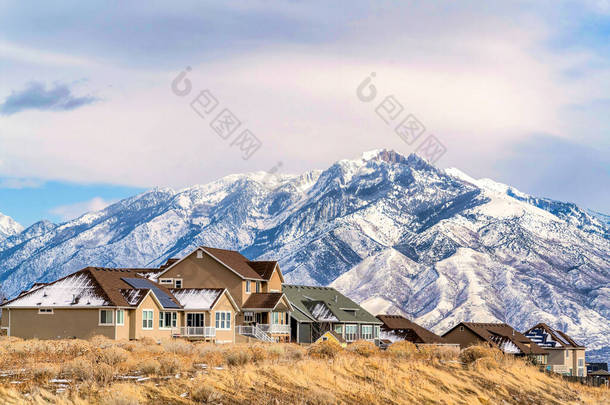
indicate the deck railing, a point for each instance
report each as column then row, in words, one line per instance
column 275, row 328
column 254, row 331
column 194, row 331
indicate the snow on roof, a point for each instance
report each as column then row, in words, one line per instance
column 322, row 313
column 509, row 347
column 77, row 290
column 133, row 296
column 196, row 298
column 152, row 275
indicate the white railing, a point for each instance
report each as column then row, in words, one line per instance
column 275, row 328
column 254, row 331
column 195, row 331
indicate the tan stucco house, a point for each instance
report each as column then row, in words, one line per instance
column 256, row 287
column 565, row 355
column 119, row 304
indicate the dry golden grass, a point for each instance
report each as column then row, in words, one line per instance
column 106, row 372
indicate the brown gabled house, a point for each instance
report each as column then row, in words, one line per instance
column 565, row 355
column 396, row 327
column 500, row 335
column 119, row 304
column 256, row 287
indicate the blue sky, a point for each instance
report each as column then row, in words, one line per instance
column 517, row 91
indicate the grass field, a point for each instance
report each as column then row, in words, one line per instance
column 101, row 371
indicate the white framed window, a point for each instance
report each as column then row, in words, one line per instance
column 45, row 310
column 178, row 283
column 248, row 316
column 199, row 254
column 168, row 320
column 166, row 281
column 247, row 286
column 567, row 354
column 276, row 317
column 367, row 332
column 339, row 329
column 120, row 317
column 223, row 320
column 258, row 286
column 106, row 317
column 147, row 319
column 351, row 332
column 377, row 331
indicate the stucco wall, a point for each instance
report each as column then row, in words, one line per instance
column 63, row 323
column 224, row 336
column 155, row 332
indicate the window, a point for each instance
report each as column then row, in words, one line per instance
column 147, row 319
column 351, row 332
column 106, row 317
column 223, row 320
column 168, row 319
column 248, row 317
column 247, row 286
column 178, row 283
column 199, row 254
column 339, row 329
column 120, row 317
column 581, row 371
column 377, row 331
column 276, row 317
column 258, row 286
column 567, row 354
column 581, row 362
column 45, row 310
column 461, row 328
column 166, row 281
column 367, row 332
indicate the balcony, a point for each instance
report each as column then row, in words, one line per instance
column 275, row 329
column 194, row 331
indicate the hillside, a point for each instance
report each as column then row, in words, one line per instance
column 390, row 231
column 177, row 372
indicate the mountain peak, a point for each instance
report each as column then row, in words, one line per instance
column 8, row 226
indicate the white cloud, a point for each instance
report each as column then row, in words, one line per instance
column 71, row 211
column 18, row 184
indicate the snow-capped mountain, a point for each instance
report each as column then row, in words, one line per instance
column 8, row 227
column 390, row 231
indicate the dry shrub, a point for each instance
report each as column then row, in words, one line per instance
column 128, row 345
column 327, row 349
column 436, row 353
column 473, row 353
column 274, row 352
column 485, row 363
column 294, row 352
column 149, row 366
column 180, row 347
column 112, row 355
column 212, row 358
column 103, row 373
column 237, row 357
column 45, row 371
column 172, row 364
column 206, row 394
column 75, row 347
column 80, row 367
column 363, row 348
column 100, row 341
column 257, row 353
column 148, row 341
column 402, row 349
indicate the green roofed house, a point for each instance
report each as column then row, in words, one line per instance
column 321, row 309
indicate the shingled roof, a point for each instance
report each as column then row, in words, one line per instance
column 405, row 329
column 321, row 304
column 256, row 270
column 106, row 287
column 545, row 336
column 263, row 301
column 503, row 336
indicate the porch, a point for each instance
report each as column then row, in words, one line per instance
column 195, row 332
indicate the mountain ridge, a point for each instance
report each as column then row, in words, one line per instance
column 391, row 231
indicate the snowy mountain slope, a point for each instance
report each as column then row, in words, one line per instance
column 8, row 226
column 390, row 231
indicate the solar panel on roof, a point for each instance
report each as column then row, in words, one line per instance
column 142, row 283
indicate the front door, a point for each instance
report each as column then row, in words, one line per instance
column 259, row 317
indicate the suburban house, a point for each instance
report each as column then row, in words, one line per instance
column 321, row 309
column 396, row 327
column 499, row 335
column 333, row 336
column 565, row 355
column 256, row 287
column 119, row 304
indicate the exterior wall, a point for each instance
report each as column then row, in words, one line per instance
column 304, row 333
column 62, row 323
column 155, row 332
column 275, row 283
column 223, row 336
column 4, row 319
column 208, row 273
column 123, row 332
column 464, row 337
column 560, row 363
